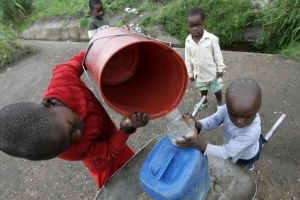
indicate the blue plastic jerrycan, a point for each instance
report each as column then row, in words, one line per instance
column 174, row 173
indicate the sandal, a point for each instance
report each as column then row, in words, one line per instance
column 201, row 107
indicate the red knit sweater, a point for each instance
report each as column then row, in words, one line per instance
column 101, row 141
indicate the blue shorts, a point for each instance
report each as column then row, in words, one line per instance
column 213, row 86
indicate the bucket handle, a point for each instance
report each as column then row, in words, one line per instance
column 147, row 36
column 165, row 166
column 89, row 47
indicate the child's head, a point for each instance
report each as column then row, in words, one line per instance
column 195, row 21
column 37, row 131
column 243, row 101
column 96, row 8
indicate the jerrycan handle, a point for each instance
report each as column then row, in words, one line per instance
column 165, row 166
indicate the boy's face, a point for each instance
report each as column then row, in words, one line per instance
column 195, row 25
column 98, row 11
column 242, row 112
column 69, row 125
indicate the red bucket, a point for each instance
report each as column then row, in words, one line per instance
column 136, row 74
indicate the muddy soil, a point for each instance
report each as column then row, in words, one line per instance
column 277, row 173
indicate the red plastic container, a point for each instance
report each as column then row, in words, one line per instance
column 136, row 74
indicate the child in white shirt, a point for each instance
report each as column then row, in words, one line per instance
column 203, row 57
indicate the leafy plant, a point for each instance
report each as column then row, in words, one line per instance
column 84, row 22
column 9, row 44
column 281, row 22
column 224, row 18
column 291, row 51
column 15, row 10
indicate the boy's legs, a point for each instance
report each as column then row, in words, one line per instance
column 202, row 86
column 219, row 97
column 216, row 88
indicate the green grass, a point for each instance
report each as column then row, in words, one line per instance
column 224, row 18
column 44, row 9
column 291, row 51
column 282, row 26
column 14, row 10
column 9, row 44
column 84, row 22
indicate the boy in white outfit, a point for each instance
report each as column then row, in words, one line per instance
column 203, row 57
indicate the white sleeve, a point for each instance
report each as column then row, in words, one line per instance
column 188, row 62
column 218, row 57
column 91, row 33
column 213, row 121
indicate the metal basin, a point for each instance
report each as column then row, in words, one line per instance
column 228, row 181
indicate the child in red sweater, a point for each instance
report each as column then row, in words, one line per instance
column 70, row 123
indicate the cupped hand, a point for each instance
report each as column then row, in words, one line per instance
column 189, row 141
column 135, row 121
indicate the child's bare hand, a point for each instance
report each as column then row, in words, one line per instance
column 219, row 74
column 188, row 116
column 190, row 141
column 135, row 121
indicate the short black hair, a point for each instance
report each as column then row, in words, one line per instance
column 245, row 88
column 94, row 2
column 196, row 11
column 26, row 131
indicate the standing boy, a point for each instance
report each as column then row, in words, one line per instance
column 203, row 57
column 97, row 23
column 69, row 122
column 241, row 126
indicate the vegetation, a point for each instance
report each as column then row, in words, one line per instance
column 228, row 19
column 281, row 20
column 9, row 44
column 14, row 10
column 224, row 18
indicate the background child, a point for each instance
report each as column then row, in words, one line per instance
column 70, row 123
column 241, row 125
column 203, row 56
column 97, row 23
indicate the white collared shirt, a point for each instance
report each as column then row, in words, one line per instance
column 204, row 59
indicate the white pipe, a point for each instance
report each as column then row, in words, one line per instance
column 198, row 106
column 274, row 127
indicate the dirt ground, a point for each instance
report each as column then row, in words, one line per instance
column 277, row 173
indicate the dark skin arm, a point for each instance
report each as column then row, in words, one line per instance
column 219, row 74
column 136, row 120
column 192, row 141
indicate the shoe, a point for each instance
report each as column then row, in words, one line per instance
column 250, row 167
column 201, row 107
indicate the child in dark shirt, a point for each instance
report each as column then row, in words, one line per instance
column 98, row 22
